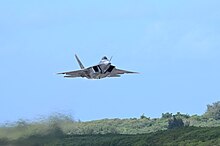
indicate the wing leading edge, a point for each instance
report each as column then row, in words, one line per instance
column 117, row 72
column 120, row 71
column 73, row 74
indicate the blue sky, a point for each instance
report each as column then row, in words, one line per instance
column 175, row 45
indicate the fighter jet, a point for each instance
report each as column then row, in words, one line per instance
column 102, row 70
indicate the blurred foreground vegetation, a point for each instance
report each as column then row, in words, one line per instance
column 169, row 129
column 202, row 136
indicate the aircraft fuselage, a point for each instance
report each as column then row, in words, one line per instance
column 102, row 70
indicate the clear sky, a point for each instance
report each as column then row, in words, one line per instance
column 175, row 45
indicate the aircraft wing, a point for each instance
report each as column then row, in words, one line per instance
column 73, row 74
column 117, row 72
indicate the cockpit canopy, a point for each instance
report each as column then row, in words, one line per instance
column 104, row 58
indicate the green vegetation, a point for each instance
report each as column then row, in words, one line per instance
column 179, row 136
column 175, row 123
column 213, row 111
column 170, row 129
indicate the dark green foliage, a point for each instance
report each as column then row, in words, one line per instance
column 175, row 123
column 144, row 117
column 4, row 141
column 179, row 136
column 66, row 125
column 60, row 129
column 213, row 111
column 179, row 115
column 167, row 115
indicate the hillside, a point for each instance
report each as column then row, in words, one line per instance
column 179, row 136
column 63, row 130
column 68, row 126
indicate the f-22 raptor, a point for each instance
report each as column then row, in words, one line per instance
column 102, row 70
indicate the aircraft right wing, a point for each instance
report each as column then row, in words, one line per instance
column 73, row 74
column 120, row 71
column 117, row 72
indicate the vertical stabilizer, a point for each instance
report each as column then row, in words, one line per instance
column 80, row 63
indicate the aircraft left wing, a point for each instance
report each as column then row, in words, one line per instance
column 73, row 74
column 120, row 71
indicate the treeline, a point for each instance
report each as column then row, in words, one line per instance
column 178, row 136
column 65, row 126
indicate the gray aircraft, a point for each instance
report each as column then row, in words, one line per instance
column 102, row 70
